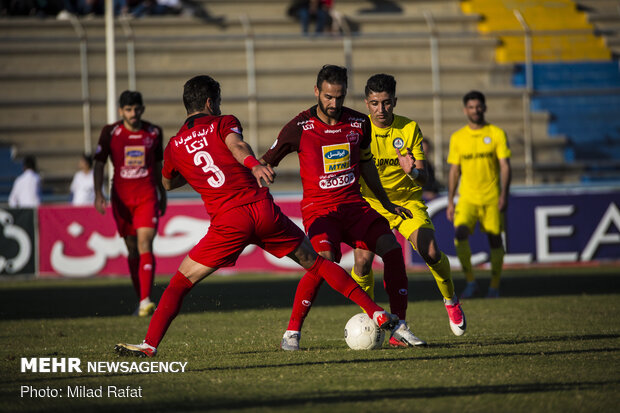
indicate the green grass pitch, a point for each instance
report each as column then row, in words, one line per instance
column 550, row 343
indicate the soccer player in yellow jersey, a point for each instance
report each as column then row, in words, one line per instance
column 479, row 155
column 397, row 149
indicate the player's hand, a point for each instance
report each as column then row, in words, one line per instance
column 450, row 212
column 502, row 204
column 402, row 212
column 100, row 204
column 407, row 161
column 264, row 175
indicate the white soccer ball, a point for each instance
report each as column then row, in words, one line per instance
column 361, row 333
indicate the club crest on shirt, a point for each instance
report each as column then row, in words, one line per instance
column 336, row 157
column 486, row 139
column 353, row 137
column 398, row 143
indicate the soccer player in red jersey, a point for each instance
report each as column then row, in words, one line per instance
column 209, row 153
column 135, row 148
column 333, row 145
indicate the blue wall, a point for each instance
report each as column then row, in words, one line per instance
column 589, row 119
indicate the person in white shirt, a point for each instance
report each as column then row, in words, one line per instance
column 26, row 191
column 82, row 186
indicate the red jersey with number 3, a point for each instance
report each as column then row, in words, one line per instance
column 329, row 155
column 199, row 153
column 134, row 156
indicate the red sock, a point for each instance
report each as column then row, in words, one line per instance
column 168, row 308
column 305, row 294
column 134, row 267
column 147, row 271
column 395, row 282
column 342, row 282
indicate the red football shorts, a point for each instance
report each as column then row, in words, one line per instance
column 133, row 214
column 260, row 223
column 357, row 225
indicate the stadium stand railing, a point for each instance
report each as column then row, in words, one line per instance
column 43, row 103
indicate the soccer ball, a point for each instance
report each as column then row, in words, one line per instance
column 361, row 333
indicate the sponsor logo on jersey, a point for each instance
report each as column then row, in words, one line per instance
column 479, row 155
column 135, row 136
column 135, row 155
column 486, row 139
column 336, row 157
column 236, row 130
column 356, row 125
column 337, row 181
column 386, row 161
column 133, row 173
column 398, row 143
column 353, row 137
column 333, row 130
column 378, row 135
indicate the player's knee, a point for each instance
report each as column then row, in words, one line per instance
column 461, row 233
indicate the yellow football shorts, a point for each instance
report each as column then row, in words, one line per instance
column 406, row 226
column 490, row 218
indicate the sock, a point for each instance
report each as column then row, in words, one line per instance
column 305, row 294
column 395, row 282
column 366, row 281
column 134, row 267
column 147, row 271
column 168, row 308
column 443, row 276
column 497, row 261
column 339, row 280
column 463, row 252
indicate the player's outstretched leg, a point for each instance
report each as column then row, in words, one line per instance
column 305, row 294
column 168, row 308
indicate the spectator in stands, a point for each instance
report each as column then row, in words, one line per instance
column 82, row 186
column 306, row 10
column 479, row 157
column 431, row 187
column 26, row 191
column 155, row 7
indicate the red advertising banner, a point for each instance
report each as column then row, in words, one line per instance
column 77, row 242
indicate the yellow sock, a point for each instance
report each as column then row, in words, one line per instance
column 443, row 276
column 367, row 282
column 497, row 262
column 463, row 252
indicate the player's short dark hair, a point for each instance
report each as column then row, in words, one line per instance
column 381, row 83
column 197, row 90
column 88, row 159
column 332, row 74
column 130, row 98
column 30, row 162
column 474, row 95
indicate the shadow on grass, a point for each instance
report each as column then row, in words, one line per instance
column 224, row 295
column 323, row 400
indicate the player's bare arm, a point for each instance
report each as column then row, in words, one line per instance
column 100, row 201
column 505, row 176
column 163, row 198
column 243, row 153
column 415, row 169
column 453, row 179
column 371, row 176
column 176, row 181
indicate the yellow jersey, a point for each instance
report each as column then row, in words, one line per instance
column 477, row 152
column 402, row 134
